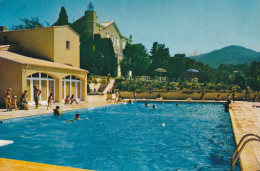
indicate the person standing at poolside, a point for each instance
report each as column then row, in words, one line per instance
column 234, row 96
column 247, row 93
column 36, row 94
column 49, row 101
column 117, row 97
column 7, row 96
column 108, row 78
column 255, row 99
column 134, row 95
column 202, row 97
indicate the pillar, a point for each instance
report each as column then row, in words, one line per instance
column 58, row 89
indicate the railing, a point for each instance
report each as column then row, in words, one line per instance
column 238, row 150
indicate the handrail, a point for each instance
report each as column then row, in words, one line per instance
column 240, row 142
column 241, row 149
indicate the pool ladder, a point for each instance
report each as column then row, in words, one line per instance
column 239, row 150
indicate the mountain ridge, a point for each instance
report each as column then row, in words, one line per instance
column 232, row 54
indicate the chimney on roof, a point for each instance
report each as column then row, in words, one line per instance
column 3, row 28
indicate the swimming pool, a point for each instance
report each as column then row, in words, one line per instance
column 196, row 136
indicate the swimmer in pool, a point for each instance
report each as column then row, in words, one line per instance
column 76, row 118
column 57, row 111
column 146, row 104
column 154, row 106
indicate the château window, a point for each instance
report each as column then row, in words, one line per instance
column 118, row 42
column 67, row 45
column 123, row 44
column 113, row 41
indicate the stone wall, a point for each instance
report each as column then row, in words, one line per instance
column 182, row 96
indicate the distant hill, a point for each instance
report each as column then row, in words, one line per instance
column 228, row 55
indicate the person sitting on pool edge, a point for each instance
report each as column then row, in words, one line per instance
column 72, row 99
column 67, row 100
column 218, row 98
column 14, row 103
column 57, row 111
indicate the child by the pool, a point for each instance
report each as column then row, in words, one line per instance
column 14, row 103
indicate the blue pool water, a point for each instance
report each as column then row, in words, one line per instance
column 196, row 136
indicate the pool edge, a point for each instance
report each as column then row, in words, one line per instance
column 248, row 160
column 15, row 165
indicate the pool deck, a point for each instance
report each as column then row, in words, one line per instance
column 244, row 117
column 43, row 109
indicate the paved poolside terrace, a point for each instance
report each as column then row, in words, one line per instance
column 244, row 117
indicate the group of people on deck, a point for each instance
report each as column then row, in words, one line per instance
column 11, row 101
column 70, row 100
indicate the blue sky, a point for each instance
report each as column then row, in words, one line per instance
column 185, row 26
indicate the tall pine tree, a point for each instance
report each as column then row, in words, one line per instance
column 63, row 17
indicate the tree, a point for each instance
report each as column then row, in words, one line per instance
column 159, row 56
column 135, row 58
column 63, row 17
column 98, row 56
column 28, row 24
column 253, row 76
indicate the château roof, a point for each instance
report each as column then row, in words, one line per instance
column 21, row 59
column 78, row 26
column 106, row 24
column 39, row 28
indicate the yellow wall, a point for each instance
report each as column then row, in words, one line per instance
column 182, row 96
column 58, row 75
column 46, row 43
column 35, row 42
column 63, row 55
column 14, row 75
column 12, row 71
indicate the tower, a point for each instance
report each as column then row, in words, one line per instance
column 90, row 21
